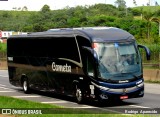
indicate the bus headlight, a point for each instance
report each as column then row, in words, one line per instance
column 140, row 83
column 100, row 87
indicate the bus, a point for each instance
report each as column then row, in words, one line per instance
column 99, row 63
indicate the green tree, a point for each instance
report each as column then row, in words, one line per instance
column 134, row 2
column 14, row 8
column 121, row 4
column 25, row 8
column 148, row 17
column 45, row 9
column 156, row 3
column 157, row 20
column 42, row 20
column 102, row 9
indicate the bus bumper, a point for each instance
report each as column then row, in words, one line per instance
column 111, row 95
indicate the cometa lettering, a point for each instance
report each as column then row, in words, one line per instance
column 61, row 68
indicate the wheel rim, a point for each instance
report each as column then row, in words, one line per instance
column 25, row 85
column 79, row 95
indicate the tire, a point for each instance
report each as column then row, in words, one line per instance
column 79, row 95
column 25, row 85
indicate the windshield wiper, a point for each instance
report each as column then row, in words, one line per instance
column 135, row 77
column 108, row 80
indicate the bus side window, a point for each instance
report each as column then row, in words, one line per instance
column 90, row 66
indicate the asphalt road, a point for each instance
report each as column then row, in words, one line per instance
column 151, row 99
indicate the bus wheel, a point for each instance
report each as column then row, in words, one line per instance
column 79, row 95
column 26, row 86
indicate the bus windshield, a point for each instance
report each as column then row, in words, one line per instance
column 118, row 61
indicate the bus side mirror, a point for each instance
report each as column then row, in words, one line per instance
column 148, row 53
column 91, row 52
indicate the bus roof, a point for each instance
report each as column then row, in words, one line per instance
column 94, row 34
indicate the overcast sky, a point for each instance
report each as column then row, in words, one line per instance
column 36, row 5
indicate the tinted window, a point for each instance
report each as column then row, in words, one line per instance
column 63, row 48
column 45, row 47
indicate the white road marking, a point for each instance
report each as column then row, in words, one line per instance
column 138, row 106
column 52, row 102
column 6, row 91
column 26, row 96
column 2, row 85
column 5, row 88
column 3, row 70
column 83, row 107
column 3, row 76
column 59, row 102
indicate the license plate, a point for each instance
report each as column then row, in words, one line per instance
column 124, row 97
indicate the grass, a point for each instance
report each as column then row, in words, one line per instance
column 19, row 104
column 9, row 102
column 151, row 81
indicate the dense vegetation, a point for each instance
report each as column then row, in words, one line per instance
column 142, row 22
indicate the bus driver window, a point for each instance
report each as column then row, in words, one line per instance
column 90, row 67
